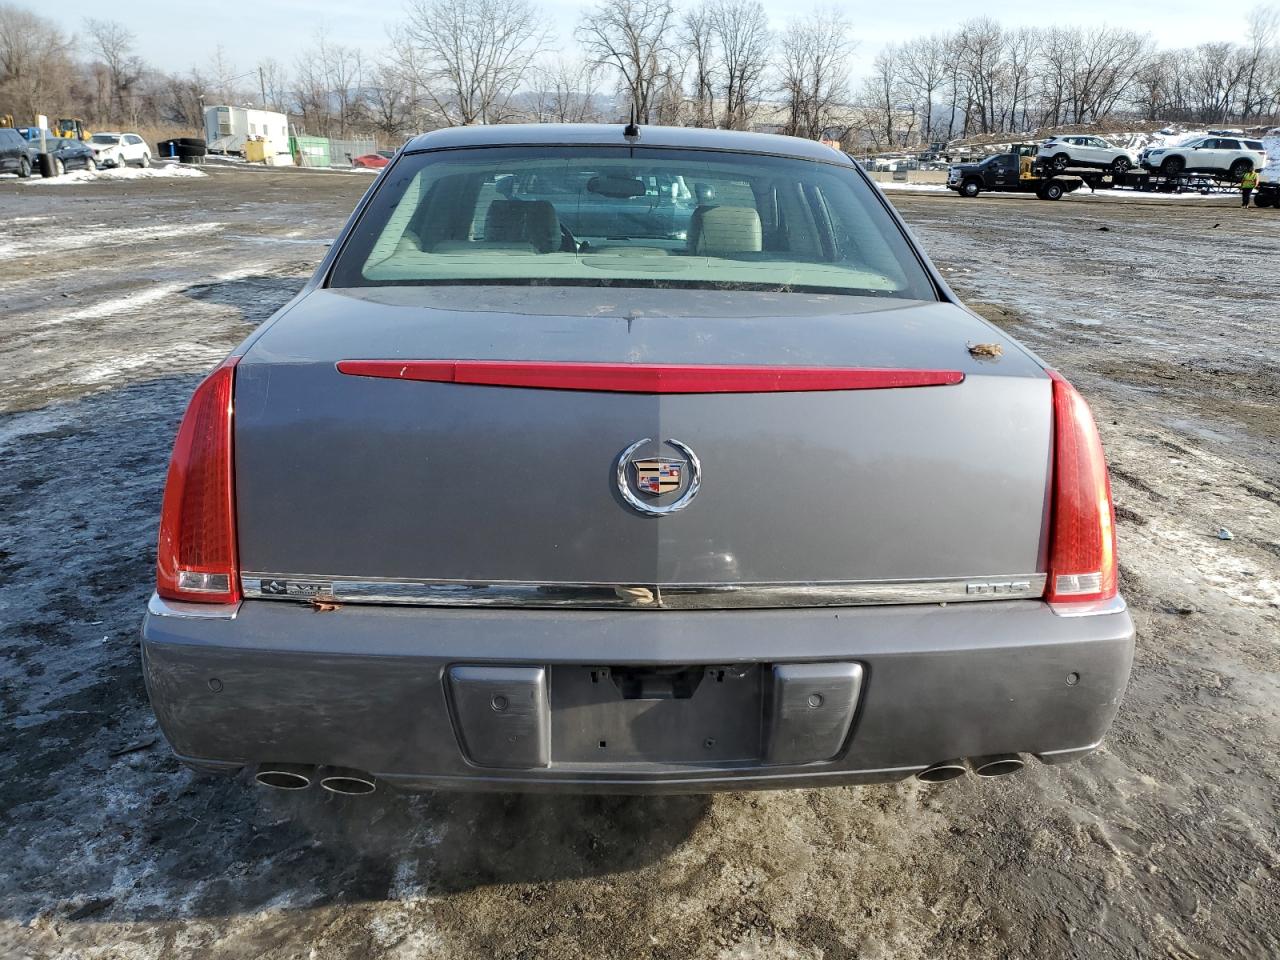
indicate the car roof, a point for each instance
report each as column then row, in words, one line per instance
column 610, row 134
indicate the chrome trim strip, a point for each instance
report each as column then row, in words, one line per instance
column 157, row 606
column 675, row 596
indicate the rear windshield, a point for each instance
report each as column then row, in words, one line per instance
column 605, row 216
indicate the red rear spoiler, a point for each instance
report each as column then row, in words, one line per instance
column 648, row 377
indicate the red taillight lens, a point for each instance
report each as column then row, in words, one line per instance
column 1082, row 548
column 196, row 559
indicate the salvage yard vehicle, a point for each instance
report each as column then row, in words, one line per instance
column 1015, row 172
column 120, row 150
column 1232, row 156
column 374, row 161
column 70, row 155
column 1081, row 151
column 1268, row 192
column 493, row 504
column 15, row 153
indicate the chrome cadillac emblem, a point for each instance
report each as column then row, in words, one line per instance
column 643, row 482
column 655, row 477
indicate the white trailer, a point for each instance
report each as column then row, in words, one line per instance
column 227, row 129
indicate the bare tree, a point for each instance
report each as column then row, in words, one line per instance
column 183, row 100
column 389, row 102
column 924, row 71
column 340, row 71
column 698, row 42
column 311, row 96
column 882, row 92
column 634, row 38
column 114, row 45
column 1261, row 81
column 1021, row 58
column 566, row 92
column 36, row 70
column 742, row 35
column 471, row 54
column 222, row 77
column 274, row 84
column 815, row 73
column 1153, row 88
column 669, row 106
column 981, row 46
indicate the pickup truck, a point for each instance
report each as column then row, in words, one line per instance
column 1016, row 171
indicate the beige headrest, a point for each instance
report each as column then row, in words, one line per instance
column 723, row 231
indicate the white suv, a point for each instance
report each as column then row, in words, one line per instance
column 1081, row 151
column 1234, row 156
column 120, row 150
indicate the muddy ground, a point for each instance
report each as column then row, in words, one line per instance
column 115, row 297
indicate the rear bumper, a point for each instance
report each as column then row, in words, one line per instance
column 369, row 687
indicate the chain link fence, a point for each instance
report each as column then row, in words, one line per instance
column 326, row 152
column 342, row 152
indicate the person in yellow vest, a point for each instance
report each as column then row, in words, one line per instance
column 1248, row 183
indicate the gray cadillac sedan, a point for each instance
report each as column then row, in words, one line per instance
column 605, row 459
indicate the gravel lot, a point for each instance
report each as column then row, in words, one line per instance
column 117, row 295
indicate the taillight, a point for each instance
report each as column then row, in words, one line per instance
column 196, row 559
column 1082, row 545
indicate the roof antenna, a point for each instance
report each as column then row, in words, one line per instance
column 631, row 131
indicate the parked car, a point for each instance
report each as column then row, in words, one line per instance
column 498, row 505
column 371, row 161
column 1080, row 151
column 120, row 150
column 70, row 154
column 15, row 153
column 1232, row 156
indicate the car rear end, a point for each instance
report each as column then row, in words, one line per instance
column 635, row 535
column 1256, row 153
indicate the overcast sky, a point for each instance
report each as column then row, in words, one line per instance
column 174, row 37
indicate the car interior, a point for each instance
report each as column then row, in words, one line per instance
column 714, row 219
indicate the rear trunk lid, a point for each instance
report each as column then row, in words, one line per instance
column 371, row 479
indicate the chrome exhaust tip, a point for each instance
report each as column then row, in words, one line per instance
column 347, row 781
column 996, row 765
column 285, row 776
column 942, row 772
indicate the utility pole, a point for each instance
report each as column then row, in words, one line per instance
column 262, row 82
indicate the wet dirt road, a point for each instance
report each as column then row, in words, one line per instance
column 114, row 298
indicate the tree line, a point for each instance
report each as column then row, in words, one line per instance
column 707, row 63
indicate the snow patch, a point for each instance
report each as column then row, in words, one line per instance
column 914, row 187
column 168, row 170
column 79, row 237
